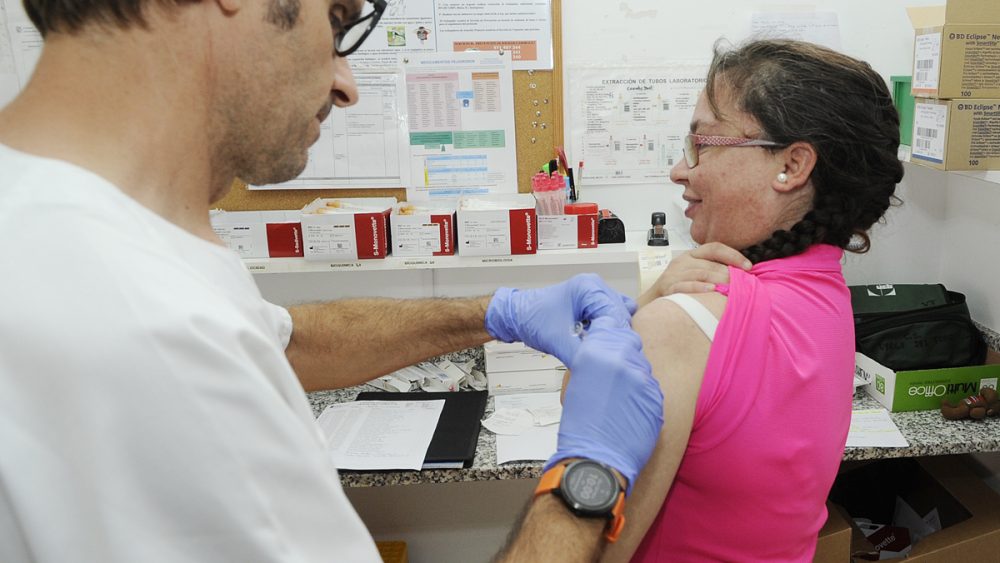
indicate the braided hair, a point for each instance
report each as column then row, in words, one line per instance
column 798, row 91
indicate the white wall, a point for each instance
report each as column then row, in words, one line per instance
column 946, row 230
column 638, row 31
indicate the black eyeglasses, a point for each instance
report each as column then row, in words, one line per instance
column 354, row 33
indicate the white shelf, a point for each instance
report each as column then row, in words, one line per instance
column 627, row 253
column 991, row 176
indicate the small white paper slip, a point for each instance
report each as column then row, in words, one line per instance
column 380, row 434
column 545, row 416
column 873, row 428
column 539, row 442
column 510, row 422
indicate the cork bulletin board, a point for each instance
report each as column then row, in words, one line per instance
column 538, row 125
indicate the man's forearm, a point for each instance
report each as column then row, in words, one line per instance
column 551, row 533
column 347, row 342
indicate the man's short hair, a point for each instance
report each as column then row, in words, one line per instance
column 70, row 16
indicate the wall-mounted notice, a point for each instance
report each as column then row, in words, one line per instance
column 460, row 113
column 362, row 146
column 521, row 27
column 815, row 27
column 628, row 124
column 20, row 47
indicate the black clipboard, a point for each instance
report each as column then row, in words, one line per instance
column 453, row 444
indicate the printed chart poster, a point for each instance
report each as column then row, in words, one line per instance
column 821, row 28
column 460, row 113
column 20, row 47
column 408, row 27
column 361, row 146
column 628, row 125
column 523, row 28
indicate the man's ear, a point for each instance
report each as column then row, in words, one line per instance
column 799, row 160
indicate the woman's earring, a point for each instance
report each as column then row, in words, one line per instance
column 782, row 177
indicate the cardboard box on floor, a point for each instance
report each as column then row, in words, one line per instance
column 957, row 134
column 834, row 542
column 956, row 49
column 921, row 390
column 969, row 510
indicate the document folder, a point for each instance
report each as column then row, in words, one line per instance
column 454, row 442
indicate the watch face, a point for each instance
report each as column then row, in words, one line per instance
column 590, row 488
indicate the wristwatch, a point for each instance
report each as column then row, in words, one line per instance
column 590, row 490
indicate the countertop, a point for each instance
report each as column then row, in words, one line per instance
column 928, row 433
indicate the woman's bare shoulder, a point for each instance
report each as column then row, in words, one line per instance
column 664, row 322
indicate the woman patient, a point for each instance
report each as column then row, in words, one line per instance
column 791, row 158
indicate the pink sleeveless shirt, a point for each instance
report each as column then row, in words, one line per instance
column 770, row 422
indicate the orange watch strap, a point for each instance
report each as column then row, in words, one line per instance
column 617, row 522
column 550, row 481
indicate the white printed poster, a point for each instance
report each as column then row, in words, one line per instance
column 821, row 28
column 20, row 47
column 628, row 124
column 361, row 146
column 408, row 27
column 460, row 117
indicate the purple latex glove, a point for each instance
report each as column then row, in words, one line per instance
column 546, row 318
column 613, row 407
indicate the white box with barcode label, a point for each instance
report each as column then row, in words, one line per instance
column 957, row 134
column 955, row 50
column 517, row 356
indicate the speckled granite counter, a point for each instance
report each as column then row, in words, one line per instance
column 484, row 466
column 928, row 433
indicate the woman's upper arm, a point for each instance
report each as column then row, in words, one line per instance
column 677, row 350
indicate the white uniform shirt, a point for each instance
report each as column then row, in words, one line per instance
column 147, row 410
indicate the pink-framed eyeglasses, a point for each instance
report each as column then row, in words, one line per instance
column 693, row 141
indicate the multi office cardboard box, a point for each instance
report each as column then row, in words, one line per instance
column 347, row 228
column 957, row 134
column 944, row 488
column 497, row 225
column 919, row 390
column 423, row 229
column 956, row 50
column 260, row 234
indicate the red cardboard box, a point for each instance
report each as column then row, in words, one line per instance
column 423, row 230
column 497, row 225
column 347, row 229
column 260, row 234
column 567, row 231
